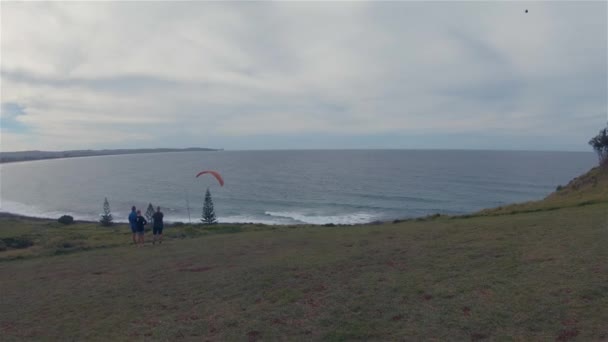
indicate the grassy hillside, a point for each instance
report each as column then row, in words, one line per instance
column 592, row 187
column 536, row 275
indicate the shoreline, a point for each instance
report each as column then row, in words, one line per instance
column 9, row 215
column 117, row 152
column 29, row 156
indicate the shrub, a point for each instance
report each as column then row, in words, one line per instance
column 178, row 224
column 559, row 188
column 66, row 219
column 17, row 242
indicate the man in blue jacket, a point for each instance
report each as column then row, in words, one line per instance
column 133, row 224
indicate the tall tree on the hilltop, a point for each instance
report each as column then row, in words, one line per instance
column 600, row 145
column 208, row 211
column 150, row 212
column 106, row 218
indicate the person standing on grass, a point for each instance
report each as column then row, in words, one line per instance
column 133, row 224
column 141, row 222
column 158, row 226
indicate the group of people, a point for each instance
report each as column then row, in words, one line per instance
column 138, row 223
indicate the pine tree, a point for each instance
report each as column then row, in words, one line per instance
column 150, row 212
column 106, row 217
column 208, row 212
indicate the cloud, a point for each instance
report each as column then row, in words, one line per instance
column 120, row 74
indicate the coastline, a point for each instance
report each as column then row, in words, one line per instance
column 9, row 215
column 26, row 156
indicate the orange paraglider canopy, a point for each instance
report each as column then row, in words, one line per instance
column 215, row 174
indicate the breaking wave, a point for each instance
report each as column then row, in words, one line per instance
column 354, row 218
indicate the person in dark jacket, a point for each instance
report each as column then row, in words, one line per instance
column 141, row 222
column 133, row 224
column 158, row 226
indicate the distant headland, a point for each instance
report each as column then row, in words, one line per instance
column 7, row 157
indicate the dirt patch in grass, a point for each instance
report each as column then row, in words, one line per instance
column 197, row 269
column 567, row 334
column 8, row 327
column 314, row 302
column 569, row 322
column 536, row 259
column 303, row 275
column 396, row 264
column 486, row 294
column 253, row 335
column 478, row 336
column 278, row 321
column 64, row 274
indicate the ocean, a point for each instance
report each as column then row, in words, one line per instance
column 288, row 187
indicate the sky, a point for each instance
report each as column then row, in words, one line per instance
column 303, row 75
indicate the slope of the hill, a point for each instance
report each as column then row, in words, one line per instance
column 589, row 188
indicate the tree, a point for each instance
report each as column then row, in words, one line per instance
column 600, row 145
column 106, row 217
column 208, row 212
column 150, row 212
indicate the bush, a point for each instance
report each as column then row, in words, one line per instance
column 17, row 242
column 559, row 188
column 66, row 219
column 177, row 224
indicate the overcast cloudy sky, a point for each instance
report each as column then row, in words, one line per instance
column 273, row 75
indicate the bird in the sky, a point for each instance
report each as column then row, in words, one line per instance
column 526, row 11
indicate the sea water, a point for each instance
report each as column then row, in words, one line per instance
column 288, row 187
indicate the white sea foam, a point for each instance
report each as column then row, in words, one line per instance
column 271, row 218
column 195, row 219
column 12, row 207
column 252, row 219
column 17, row 208
column 354, row 218
column 224, row 219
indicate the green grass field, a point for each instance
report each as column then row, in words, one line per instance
column 537, row 271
